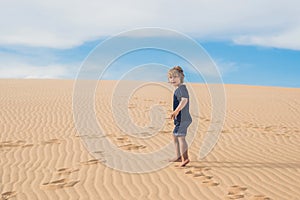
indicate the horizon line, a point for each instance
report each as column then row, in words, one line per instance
column 200, row 83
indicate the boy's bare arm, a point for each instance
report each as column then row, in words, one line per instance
column 181, row 105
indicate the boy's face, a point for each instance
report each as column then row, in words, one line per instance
column 174, row 79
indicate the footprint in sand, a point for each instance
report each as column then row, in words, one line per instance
column 200, row 169
column 260, row 197
column 11, row 144
column 8, row 195
column 210, row 183
column 122, row 139
column 128, row 145
column 90, row 162
column 132, row 147
column 283, row 134
column 206, row 180
column 58, row 184
column 225, row 131
column 100, row 156
column 277, row 130
column 280, row 130
column 287, row 131
column 194, row 170
column 99, row 152
column 66, row 171
column 52, row 141
column 235, row 196
column 162, row 102
column 269, row 128
column 199, row 173
column 236, row 192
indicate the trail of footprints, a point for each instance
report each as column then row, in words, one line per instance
column 277, row 130
column 63, row 180
column 58, row 184
column 8, row 145
column 124, row 143
column 234, row 192
column 200, row 173
column 21, row 143
column 63, row 174
column 207, row 180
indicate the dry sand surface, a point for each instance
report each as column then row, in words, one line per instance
column 43, row 155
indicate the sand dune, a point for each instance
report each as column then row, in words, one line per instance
column 43, row 155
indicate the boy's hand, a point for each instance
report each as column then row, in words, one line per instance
column 181, row 105
column 174, row 114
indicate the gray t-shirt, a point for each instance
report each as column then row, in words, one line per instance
column 184, row 114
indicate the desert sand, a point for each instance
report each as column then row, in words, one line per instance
column 43, row 156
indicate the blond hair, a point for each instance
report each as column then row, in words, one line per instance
column 177, row 70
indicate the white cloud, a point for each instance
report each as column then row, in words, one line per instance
column 288, row 39
column 33, row 72
column 65, row 24
column 30, row 63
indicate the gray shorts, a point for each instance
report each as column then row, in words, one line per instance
column 181, row 128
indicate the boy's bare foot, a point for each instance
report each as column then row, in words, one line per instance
column 184, row 163
column 175, row 160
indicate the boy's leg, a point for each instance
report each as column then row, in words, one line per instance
column 184, row 150
column 177, row 150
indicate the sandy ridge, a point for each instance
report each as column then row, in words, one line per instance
column 43, row 157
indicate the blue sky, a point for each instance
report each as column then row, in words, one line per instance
column 255, row 65
column 252, row 42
